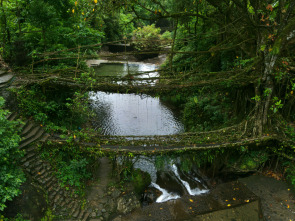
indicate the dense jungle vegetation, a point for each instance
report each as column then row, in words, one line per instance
column 233, row 61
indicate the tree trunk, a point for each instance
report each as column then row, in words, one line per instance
column 172, row 47
column 264, row 93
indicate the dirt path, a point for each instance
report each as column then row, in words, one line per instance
column 97, row 191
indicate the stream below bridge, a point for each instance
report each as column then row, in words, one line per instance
column 173, row 193
column 144, row 115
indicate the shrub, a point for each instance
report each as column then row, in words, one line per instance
column 166, row 37
column 11, row 176
column 61, row 107
column 147, row 38
column 204, row 113
column 73, row 173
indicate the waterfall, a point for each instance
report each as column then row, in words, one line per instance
column 173, row 182
column 165, row 195
column 192, row 192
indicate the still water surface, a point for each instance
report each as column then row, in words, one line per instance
column 122, row 69
column 130, row 114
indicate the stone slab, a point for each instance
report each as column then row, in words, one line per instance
column 5, row 78
column 277, row 199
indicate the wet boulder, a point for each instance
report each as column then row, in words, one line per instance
column 151, row 195
column 140, row 180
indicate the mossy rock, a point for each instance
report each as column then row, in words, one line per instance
column 140, row 180
column 250, row 164
column 251, row 161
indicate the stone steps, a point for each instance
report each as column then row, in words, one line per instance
column 29, row 156
column 86, row 215
column 12, row 116
column 28, row 149
column 3, row 72
column 27, row 128
column 33, row 131
column 44, row 137
column 22, row 126
column 64, row 203
column 32, row 137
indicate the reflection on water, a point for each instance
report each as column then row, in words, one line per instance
column 141, row 72
column 130, row 114
column 121, row 70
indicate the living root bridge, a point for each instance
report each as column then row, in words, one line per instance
column 133, row 84
column 136, row 149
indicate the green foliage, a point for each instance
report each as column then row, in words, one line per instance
column 38, row 26
column 73, row 173
column 186, row 163
column 71, row 162
column 61, row 110
column 42, row 14
column 290, row 132
column 18, row 217
column 140, row 180
column 166, row 38
column 205, row 112
column 277, row 104
column 242, row 63
column 161, row 161
column 78, row 108
column 176, row 98
column 249, row 160
column 118, row 27
column 256, row 98
column 290, row 171
column 202, row 40
column 206, row 157
column 125, row 169
column 11, row 176
column 49, row 216
column 33, row 103
column 147, row 38
column 55, row 108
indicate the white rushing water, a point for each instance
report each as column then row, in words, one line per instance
column 192, row 192
column 147, row 164
column 165, row 195
column 172, row 196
